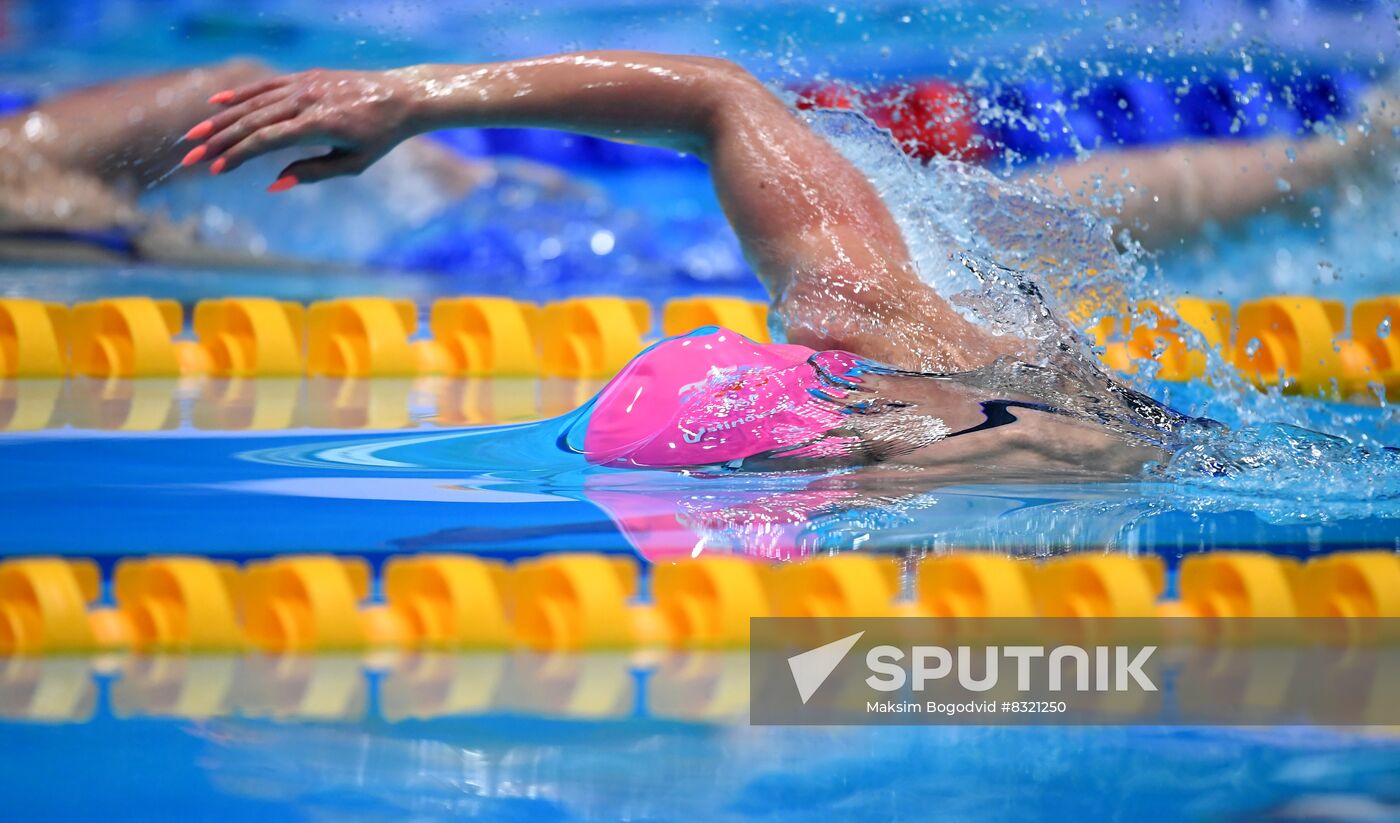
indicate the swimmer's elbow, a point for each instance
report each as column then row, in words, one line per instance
column 719, row 66
column 729, row 93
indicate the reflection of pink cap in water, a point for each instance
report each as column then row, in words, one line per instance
column 680, row 515
column 715, row 396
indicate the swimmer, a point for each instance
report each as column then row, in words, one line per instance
column 68, row 168
column 878, row 367
column 71, row 169
column 1164, row 193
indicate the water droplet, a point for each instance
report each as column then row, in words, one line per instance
column 602, row 242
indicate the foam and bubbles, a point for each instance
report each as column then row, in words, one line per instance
column 1018, row 259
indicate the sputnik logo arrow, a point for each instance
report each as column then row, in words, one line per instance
column 811, row 668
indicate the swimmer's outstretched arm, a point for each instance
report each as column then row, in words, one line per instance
column 810, row 223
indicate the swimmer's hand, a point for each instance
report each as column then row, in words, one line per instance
column 359, row 115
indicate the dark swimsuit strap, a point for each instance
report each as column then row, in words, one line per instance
column 998, row 413
column 119, row 241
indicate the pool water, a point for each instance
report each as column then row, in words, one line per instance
column 569, row 737
column 323, row 483
column 514, row 767
column 243, row 469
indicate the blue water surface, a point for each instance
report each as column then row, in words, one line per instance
column 518, row 490
column 83, row 489
column 514, row 768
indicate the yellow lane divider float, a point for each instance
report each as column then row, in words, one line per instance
column 323, row 603
column 345, row 337
column 33, row 338
column 1300, row 343
column 481, row 336
column 483, row 355
column 746, row 317
column 1164, row 342
column 126, row 337
column 247, row 337
column 472, row 636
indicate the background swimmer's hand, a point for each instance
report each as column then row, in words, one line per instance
column 359, row 115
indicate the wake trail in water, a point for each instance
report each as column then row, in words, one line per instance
column 1019, row 260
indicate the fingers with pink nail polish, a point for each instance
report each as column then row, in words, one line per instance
column 282, row 184
column 200, row 131
column 196, row 154
column 221, row 98
column 217, row 166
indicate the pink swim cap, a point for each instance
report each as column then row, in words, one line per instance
column 714, row 396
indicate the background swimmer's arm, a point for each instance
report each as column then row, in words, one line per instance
column 1164, row 193
column 814, row 228
column 128, row 128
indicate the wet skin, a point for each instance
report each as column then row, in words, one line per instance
column 811, row 224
